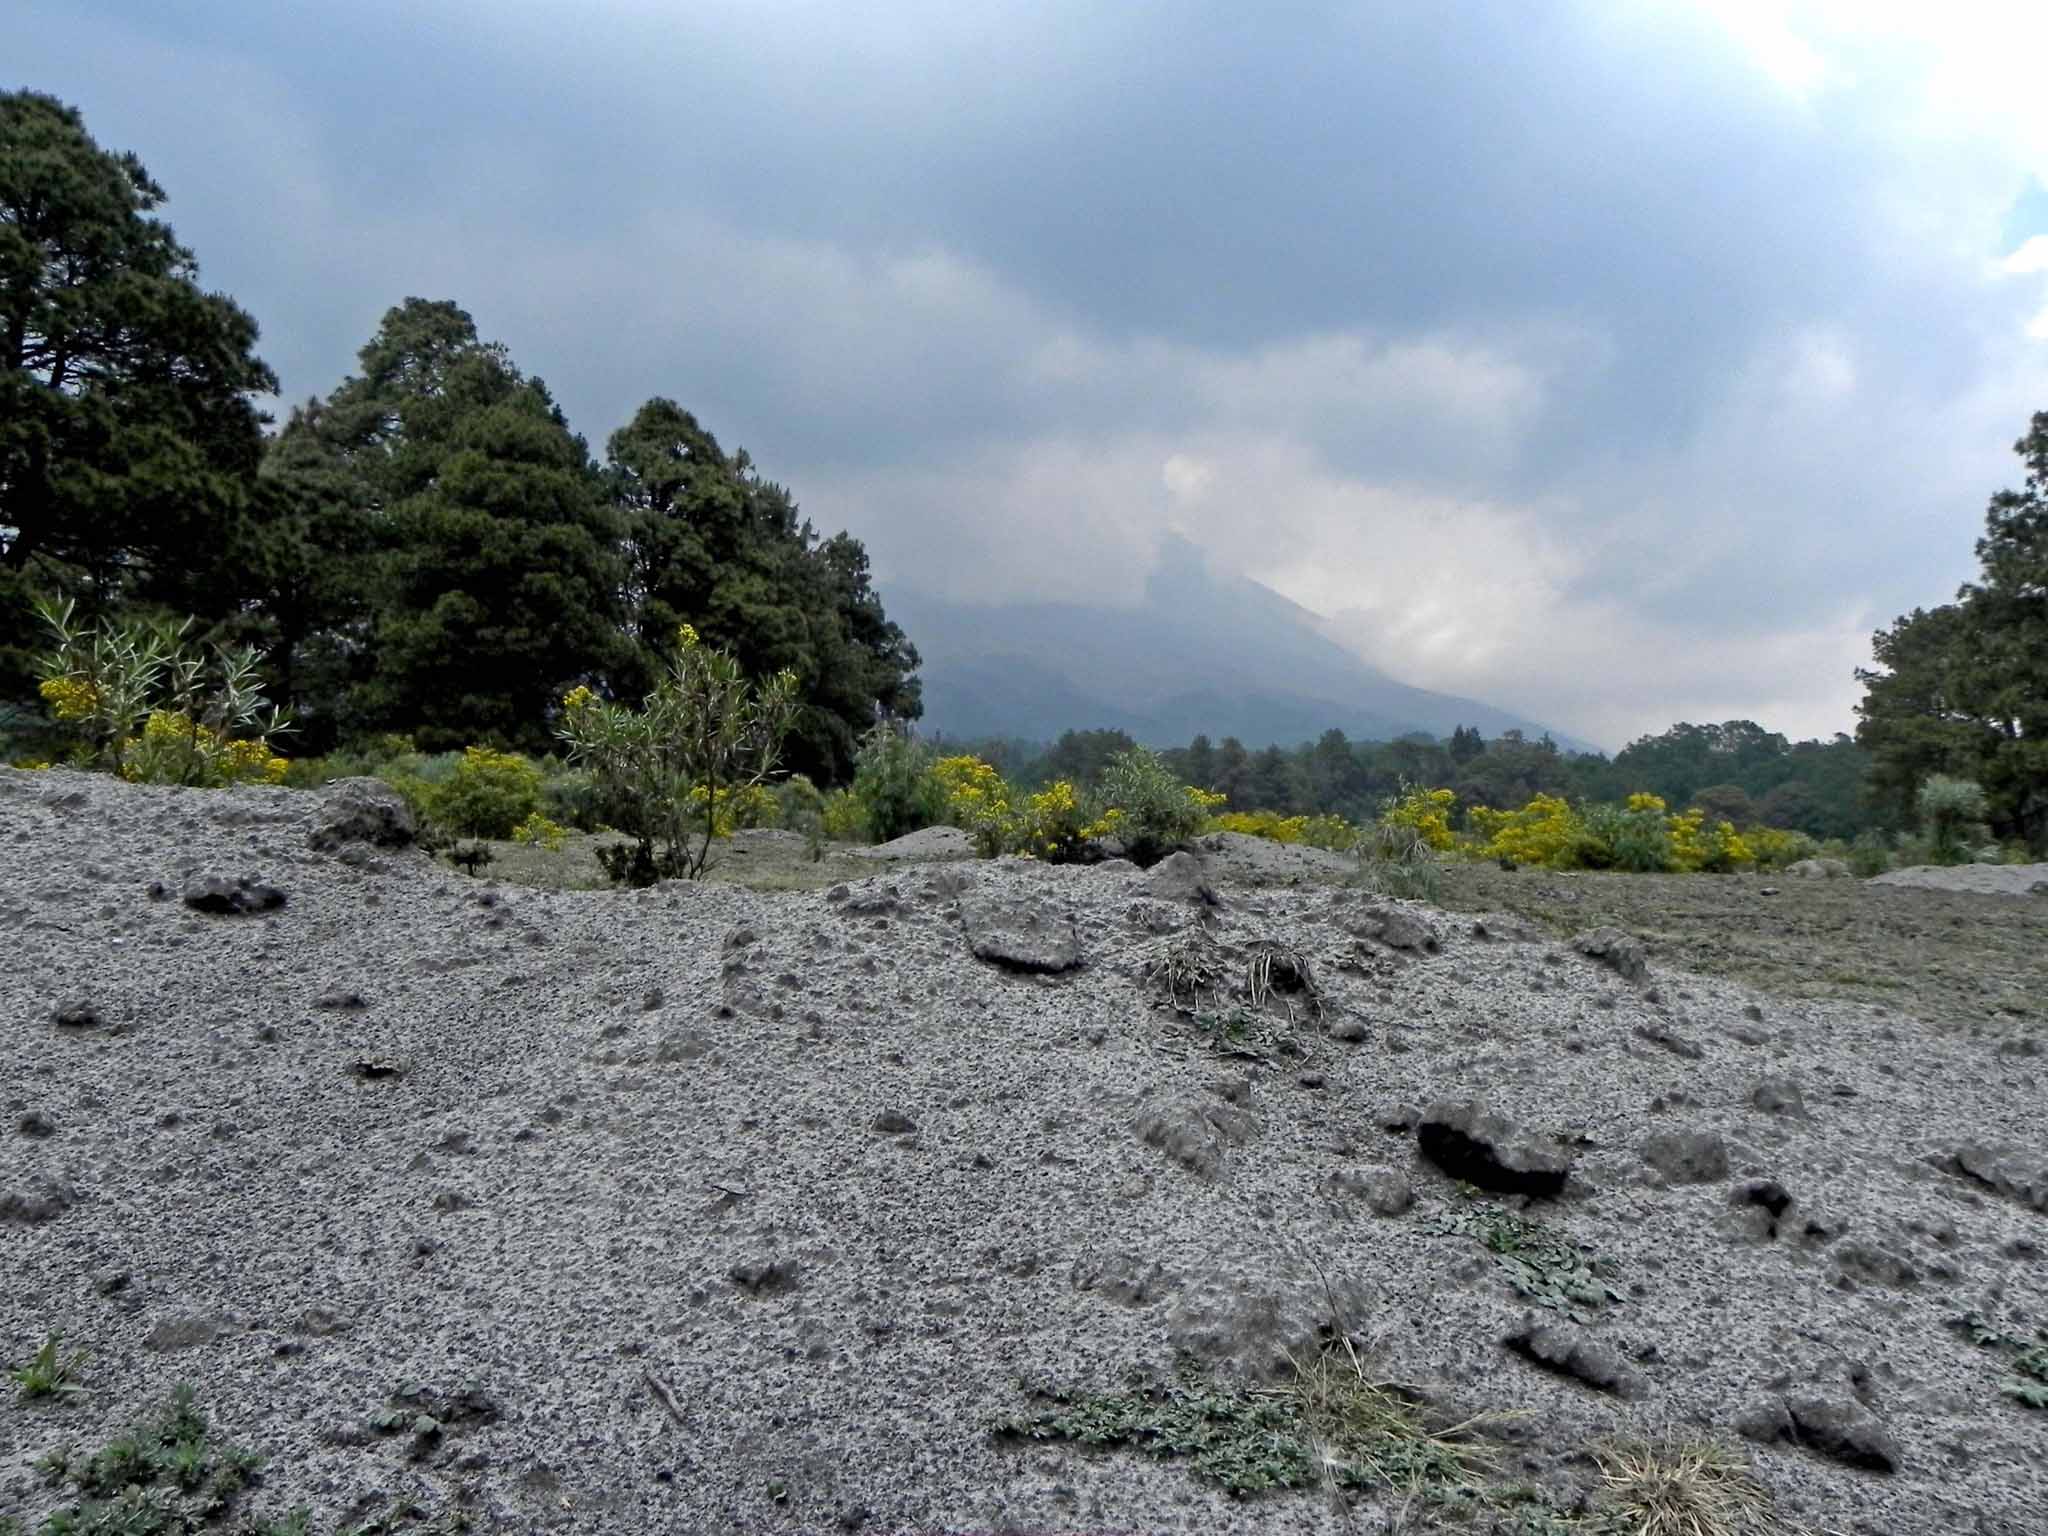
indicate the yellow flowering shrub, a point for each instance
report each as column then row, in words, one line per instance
column 1714, row 850
column 1774, row 848
column 1331, row 832
column 737, row 807
column 1207, row 801
column 70, row 698
column 175, row 749
column 1641, row 801
column 1544, row 831
column 1428, row 812
column 978, row 802
column 842, row 817
column 1270, row 825
column 538, row 832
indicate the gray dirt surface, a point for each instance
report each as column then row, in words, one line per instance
column 1990, row 879
column 839, row 1187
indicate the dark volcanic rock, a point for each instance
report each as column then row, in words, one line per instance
column 1573, row 1352
column 1469, row 1142
column 231, row 898
column 1397, row 930
column 2013, row 1173
column 1620, row 952
column 1195, row 1132
column 1022, row 933
column 1687, row 1157
column 36, row 1201
column 1779, row 1096
column 362, row 810
column 1180, row 877
column 1838, row 1428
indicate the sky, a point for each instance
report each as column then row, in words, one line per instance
column 1618, row 362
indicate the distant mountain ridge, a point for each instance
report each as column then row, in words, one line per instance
column 1203, row 654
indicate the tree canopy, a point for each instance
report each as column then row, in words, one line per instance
column 1963, row 689
column 129, row 436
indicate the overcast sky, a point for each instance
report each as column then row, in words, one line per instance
column 1618, row 362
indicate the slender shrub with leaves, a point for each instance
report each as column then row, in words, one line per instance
column 154, row 710
column 894, row 785
column 1159, row 813
column 705, row 729
column 1952, row 813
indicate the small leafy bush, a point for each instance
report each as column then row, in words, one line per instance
column 1952, row 813
column 843, row 818
column 1697, row 847
column 1869, row 855
column 538, row 832
column 156, row 711
column 489, row 794
column 977, row 800
column 895, row 785
column 1635, row 837
column 1057, row 825
column 705, row 727
column 1159, row 813
column 800, row 808
column 1775, row 848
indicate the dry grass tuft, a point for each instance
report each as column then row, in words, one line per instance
column 1681, row 1488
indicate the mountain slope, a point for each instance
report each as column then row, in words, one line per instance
column 1202, row 654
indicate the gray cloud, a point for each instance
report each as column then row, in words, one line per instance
column 1563, row 355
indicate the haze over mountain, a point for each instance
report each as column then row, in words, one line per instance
column 1205, row 652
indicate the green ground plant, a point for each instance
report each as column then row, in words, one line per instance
column 705, row 728
column 49, row 1372
column 1329, row 1426
column 164, row 1477
column 1541, row 1265
column 2027, row 1362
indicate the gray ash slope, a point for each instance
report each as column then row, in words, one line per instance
column 840, row 1186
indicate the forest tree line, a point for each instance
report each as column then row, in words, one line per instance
column 429, row 551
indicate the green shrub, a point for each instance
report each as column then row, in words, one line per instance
column 1158, row 813
column 1869, row 855
column 488, row 795
column 1396, row 858
column 152, row 709
column 706, row 733
column 799, row 807
column 573, row 797
column 894, row 784
column 1633, row 837
column 844, row 818
column 1952, row 813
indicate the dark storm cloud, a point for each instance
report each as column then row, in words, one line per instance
column 1586, row 260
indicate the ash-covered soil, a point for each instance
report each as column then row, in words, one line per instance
column 714, row 1209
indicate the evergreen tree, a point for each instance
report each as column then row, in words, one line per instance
column 709, row 542
column 494, row 575
column 128, row 439
column 1963, row 689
